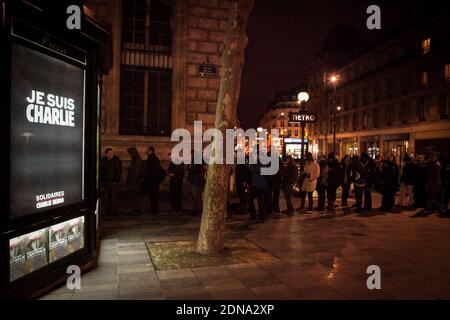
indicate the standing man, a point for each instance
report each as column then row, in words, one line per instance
column 345, row 179
column 322, row 183
column 134, row 179
column 196, row 177
column 259, row 190
column 153, row 174
column 388, row 183
column 359, row 181
column 333, row 180
column 369, row 165
column 176, row 174
column 110, row 173
column 433, row 183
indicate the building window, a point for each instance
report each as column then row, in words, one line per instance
column 355, row 100
column 146, row 68
column 405, row 83
column 296, row 133
column 365, row 120
column 424, row 79
column 447, row 73
column 375, row 117
column 355, row 119
column 422, row 110
column 388, row 115
column 404, row 112
column 426, row 45
column 445, row 101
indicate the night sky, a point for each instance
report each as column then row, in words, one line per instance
column 285, row 37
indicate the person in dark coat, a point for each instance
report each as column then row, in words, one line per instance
column 259, row 190
column 445, row 173
column 333, row 180
column 289, row 177
column 369, row 165
column 110, row 174
column 345, row 179
column 243, row 178
column 196, row 178
column 433, row 183
column 134, row 179
column 322, row 182
column 176, row 174
column 273, row 193
column 153, row 174
column 407, row 179
column 420, row 181
column 388, row 183
column 359, row 181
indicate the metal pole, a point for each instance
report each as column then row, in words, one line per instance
column 302, row 163
column 334, row 118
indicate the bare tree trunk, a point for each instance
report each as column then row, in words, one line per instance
column 211, row 236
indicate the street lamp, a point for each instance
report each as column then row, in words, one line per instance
column 334, row 79
column 302, row 97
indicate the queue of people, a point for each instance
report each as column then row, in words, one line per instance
column 422, row 182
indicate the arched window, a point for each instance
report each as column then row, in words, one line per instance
column 146, row 68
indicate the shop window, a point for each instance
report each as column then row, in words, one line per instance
column 426, row 45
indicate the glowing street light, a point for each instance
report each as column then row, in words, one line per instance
column 303, row 97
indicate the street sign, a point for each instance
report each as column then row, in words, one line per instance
column 207, row 70
column 302, row 117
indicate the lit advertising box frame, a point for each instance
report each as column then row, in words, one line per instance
column 66, row 211
column 21, row 226
column 94, row 40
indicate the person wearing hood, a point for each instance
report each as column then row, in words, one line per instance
column 176, row 174
column 134, row 179
column 359, row 175
column 110, row 174
column 333, row 180
column 153, row 174
column 310, row 175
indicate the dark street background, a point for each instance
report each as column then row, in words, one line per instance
column 285, row 37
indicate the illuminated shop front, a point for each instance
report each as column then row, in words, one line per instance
column 370, row 145
column 50, row 210
column 351, row 147
column 293, row 146
column 397, row 145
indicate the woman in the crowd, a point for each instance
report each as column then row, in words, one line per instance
column 310, row 174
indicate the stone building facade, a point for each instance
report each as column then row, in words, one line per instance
column 394, row 98
column 155, row 85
